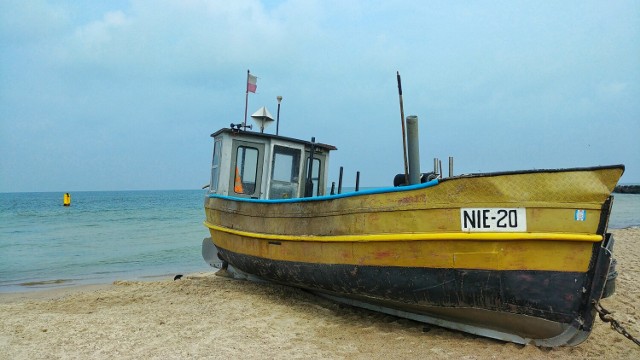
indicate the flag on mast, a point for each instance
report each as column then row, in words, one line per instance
column 251, row 83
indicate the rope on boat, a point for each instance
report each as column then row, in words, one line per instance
column 606, row 316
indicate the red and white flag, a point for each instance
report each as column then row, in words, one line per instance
column 251, row 83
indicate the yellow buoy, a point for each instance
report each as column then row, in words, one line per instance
column 66, row 200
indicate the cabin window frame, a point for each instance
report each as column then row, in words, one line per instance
column 216, row 161
column 319, row 159
column 284, row 159
column 255, row 171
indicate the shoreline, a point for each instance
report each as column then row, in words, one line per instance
column 58, row 285
column 55, row 292
column 205, row 316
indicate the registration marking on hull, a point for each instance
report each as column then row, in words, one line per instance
column 493, row 219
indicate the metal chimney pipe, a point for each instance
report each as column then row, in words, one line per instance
column 413, row 149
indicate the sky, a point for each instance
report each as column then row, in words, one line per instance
column 123, row 95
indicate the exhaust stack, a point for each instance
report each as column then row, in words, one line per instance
column 413, row 149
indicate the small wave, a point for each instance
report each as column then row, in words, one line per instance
column 46, row 282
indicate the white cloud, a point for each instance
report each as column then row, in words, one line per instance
column 128, row 73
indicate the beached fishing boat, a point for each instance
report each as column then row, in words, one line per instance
column 519, row 256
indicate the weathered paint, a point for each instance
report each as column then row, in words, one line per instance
column 550, row 295
column 559, row 252
column 406, row 249
column 550, row 199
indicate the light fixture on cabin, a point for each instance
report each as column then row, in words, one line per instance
column 262, row 117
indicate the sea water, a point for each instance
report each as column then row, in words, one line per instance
column 101, row 237
column 124, row 235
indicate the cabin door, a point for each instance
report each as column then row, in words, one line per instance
column 285, row 173
column 317, row 175
column 247, row 159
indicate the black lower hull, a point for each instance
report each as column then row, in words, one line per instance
column 534, row 306
column 552, row 295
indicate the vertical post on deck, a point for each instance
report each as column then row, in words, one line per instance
column 413, row 146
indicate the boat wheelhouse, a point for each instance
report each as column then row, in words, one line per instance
column 520, row 256
column 265, row 166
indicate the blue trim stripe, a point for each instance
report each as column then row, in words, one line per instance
column 331, row 197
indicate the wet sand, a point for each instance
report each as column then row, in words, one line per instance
column 205, row 316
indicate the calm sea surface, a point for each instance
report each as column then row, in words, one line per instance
column 106, row 236
column 101, row 237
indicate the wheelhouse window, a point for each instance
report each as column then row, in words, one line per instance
column 315, row 176
column 285, row 169
column 215, row 166
column 246, row 171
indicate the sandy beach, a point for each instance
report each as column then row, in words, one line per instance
column 205, row 316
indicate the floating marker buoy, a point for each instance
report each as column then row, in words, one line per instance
column 66, row 200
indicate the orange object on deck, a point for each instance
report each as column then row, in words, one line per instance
column 237, row 184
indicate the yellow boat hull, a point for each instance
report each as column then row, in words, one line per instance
column 440, row 252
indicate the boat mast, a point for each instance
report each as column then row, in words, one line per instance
column 404, row 137
column 246, row 101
